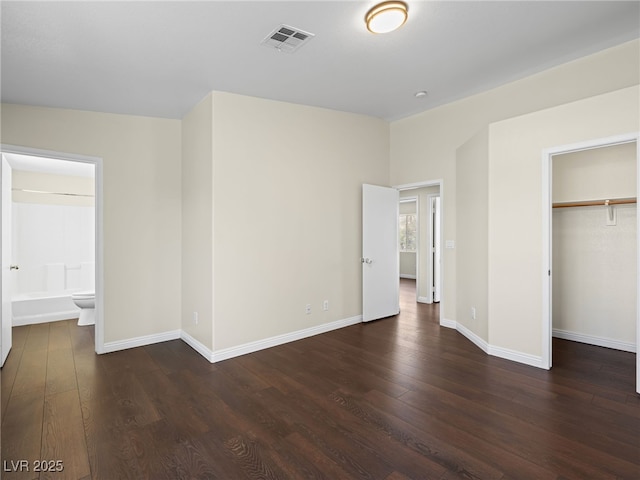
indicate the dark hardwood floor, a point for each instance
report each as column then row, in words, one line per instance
column 400, row 398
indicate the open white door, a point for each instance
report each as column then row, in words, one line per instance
column 6, row 320
column 380, row 261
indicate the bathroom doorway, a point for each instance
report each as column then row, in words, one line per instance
column 45, row 285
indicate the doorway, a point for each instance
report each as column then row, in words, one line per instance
column 408, row 226
column 428, row 200
column 49, row 162
column 602, row 214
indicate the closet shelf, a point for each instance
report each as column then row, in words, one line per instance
column 593, row 203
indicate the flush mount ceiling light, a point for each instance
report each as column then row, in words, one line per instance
column 386, row 17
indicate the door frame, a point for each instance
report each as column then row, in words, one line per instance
column 547, row 237
column 440, row 184
column 99, row 226
column 6, row 317
column 436, row 244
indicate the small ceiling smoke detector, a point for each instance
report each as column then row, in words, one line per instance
column 386, row 17
column 287, row 39
column 421, row 94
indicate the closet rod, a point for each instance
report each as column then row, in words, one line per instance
column 591, row 203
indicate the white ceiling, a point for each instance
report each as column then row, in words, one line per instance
column 160, row 58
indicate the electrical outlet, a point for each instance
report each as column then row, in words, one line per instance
column 195, row 318
column 307, row 309
column 473, row 313
column 325, row 305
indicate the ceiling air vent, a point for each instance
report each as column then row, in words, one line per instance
column 287, row 39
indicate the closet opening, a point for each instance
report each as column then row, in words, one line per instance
column 592, row 257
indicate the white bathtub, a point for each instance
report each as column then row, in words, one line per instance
column 41, row 307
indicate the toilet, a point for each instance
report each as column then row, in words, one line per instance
column 86, row 301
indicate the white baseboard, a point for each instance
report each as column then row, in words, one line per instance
column 231, row 352
column 445, row 322
column 515, row 356
column 197, row 346
column 424, row 300
column 141, row 341
column 410, row 277
column 44, row 318
column 593, row 340
column 251, row 347
column 507, row 354
column 480, row 343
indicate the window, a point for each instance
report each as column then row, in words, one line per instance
column 407, row 229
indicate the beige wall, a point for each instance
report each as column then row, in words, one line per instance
column 423, row 147
column 407, row 259
column 594, row 264
column 515, row 205
column 472, row 177
column 407, row 265
column 141, row 179
column 197, row 222
column 407, row 207
column 598, row 173
column 287, row 214
column 82, row 189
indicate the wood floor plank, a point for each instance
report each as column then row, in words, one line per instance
column 164, row 357
column 38, row 337
column 132, row 402
column 19, row 336
column 187, row 360
column 569, row 457
column 175, row 355
column 157, row 460
column 32, row 371
column 307, row 450
column 8, row 375
column 327, row 414
column 165, row 395
column 61, row 374
column 82, row 340
column 59, row 335
column 22, row 432
column 109, row 450
column 135, row 360
column 63, row 436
